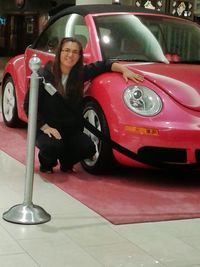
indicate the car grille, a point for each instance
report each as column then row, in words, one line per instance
column 197, row 155
column 163, row 154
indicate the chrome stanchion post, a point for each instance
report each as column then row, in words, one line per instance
column 27, row 212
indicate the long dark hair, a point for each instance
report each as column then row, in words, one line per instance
column 74, row 86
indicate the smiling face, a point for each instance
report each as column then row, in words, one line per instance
column 69, row 56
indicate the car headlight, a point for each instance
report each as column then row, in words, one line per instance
column 142, row 100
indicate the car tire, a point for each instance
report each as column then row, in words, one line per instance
column 9, row 104
column 103, row 161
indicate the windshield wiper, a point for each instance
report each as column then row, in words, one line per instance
column 128, row 59
column 133, row 59
column 136, row 60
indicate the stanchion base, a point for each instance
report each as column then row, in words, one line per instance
column 26, row 214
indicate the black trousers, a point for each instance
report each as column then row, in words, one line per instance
column 68, row 151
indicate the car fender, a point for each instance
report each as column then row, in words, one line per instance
column 103, row 89
column 107, row 90
column 16, row 69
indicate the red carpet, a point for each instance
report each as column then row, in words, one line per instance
column 131, row 196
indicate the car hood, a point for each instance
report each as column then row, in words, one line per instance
column 180, row 81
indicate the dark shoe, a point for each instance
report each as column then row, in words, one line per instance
column 66, row 168
column 63, row 168
column 46, row 170
column 47, row 163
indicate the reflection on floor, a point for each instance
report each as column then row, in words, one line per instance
column 77, row 237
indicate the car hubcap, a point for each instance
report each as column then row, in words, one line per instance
column 8, row 101
column 92, row 117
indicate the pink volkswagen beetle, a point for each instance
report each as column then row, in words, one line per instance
column 158, row 120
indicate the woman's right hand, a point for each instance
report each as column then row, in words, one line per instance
column 52, row 132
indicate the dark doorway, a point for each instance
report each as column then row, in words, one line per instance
column 19, row 32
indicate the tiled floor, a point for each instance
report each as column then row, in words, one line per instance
column 77, row 237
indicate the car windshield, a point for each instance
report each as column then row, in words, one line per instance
column 179, row 39
column 125, row 37
column 148, row 38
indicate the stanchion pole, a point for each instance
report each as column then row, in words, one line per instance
column 27, row 212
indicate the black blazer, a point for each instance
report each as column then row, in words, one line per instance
column 55, row 110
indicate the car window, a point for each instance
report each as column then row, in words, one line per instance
column 125, row 37
column 72, row 25
column 179, row 39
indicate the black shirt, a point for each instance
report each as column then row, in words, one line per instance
column 54, row 109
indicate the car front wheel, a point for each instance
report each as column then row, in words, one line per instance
column 103, row 160
column 9, row 104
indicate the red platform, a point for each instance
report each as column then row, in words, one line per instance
column 131, row 196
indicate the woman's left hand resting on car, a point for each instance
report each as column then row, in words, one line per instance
column 126, row 73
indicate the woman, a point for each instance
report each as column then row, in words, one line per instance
column 60, row 134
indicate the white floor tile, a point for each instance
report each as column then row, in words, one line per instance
column 123, row 255
column 60, row 252
column 21, row 260
column 7, row 244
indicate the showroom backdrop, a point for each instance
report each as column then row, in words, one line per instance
column 22, row 20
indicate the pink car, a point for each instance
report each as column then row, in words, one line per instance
column 157, row 119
